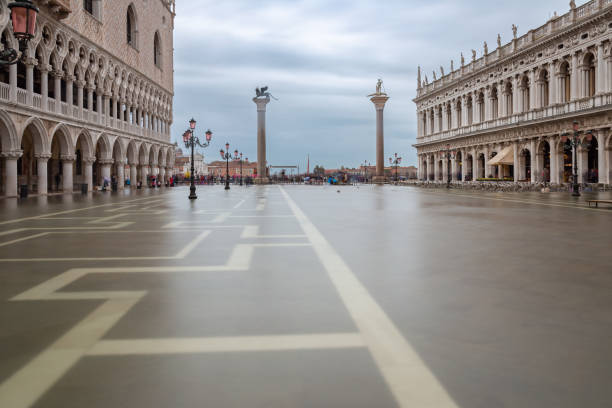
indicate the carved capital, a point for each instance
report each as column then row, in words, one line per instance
column 14, row 154
column 67, row 157
column 42, row 156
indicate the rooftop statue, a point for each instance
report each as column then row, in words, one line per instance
column 263, row 93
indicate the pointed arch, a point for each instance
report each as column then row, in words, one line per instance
column 8, row 133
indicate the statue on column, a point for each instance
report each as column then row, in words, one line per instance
column 452, row 66
column 441, row 71
column 486, row 48
column 572, row 5
column 498, row 40
column 462, row 60
column 514, row 30
column 473, row 55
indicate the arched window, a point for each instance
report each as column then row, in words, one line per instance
column 131, row 28
column 157, row 55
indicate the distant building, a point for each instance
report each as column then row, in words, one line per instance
column 504, row 114
column 218, row 168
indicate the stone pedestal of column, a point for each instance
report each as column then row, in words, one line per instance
column 379, row 101
column 262, row 176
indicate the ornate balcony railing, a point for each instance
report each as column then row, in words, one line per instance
column 73, row 112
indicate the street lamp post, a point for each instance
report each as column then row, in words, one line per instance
column 575, row 143
column 191, row 141
column 238, row 157
column 395, row 161
column 365, row 166
column 449, row 156
column 23, row 17
column 226, row 155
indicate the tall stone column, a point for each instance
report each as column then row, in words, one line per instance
column 533, row 159
column 144, row 172
column 44, row 86
column 67, row 164
column 262, row 177
column 133, row 175
column 69, row 85
column 601, row 157
column 10, row 171
column 554, row 156
column 379, row 101
column 88, row 172
column 80, row 85
column 106, row 168
column 162, row 176
column 41, row 164
column 516, row 161
column 120, row 174
column 29, row 63
column 58, row 91
column 574, row 80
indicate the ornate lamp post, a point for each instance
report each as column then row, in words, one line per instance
column 226, row 155
column 395, row 161
column 238, row 157
column 575, row 143
column 449, row 155
column 365, row 166
column 23, row 17
column 191, row 141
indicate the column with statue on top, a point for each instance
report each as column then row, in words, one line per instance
column 379, row 99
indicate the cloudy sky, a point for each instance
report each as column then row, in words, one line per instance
column 321, row 58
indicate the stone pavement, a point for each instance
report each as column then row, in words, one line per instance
column 305, row 296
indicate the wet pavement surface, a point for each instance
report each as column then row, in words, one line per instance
column 305, row 296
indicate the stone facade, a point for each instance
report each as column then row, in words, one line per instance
column 93, row 98
column 520, row 99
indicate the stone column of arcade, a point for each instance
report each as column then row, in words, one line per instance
column 261, row 102
column 67, row 165
column 41, row 164
column 10, row 170
column 88, row 172
column 133, row 175
column 379, row 99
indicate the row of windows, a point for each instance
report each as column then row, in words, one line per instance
column 93, row 7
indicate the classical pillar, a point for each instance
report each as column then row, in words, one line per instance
column 41, row 164
column 554, row 169
column 600, row 70
column 44, row 87
column 516, row 161
column 133, row 175
column 262, row 177
column 99, row 106
column 106, row 168
column 582, row 172
column 29, row 63
column 88, row 172
column 106, row 120
column 574, row 77
column 474, row 164
column 13, row 84
column 67, row 161
column 602, row 171
column 487, row 168
column 10, row 171
column 58, row 91
column 90, row 89
column 120, row 173
column 445, row 169
column 144, row 173
column 162, row 176
column 516, row 95
column 436, row 128
column 533, row 159
column 69, row 100
column 379, row 100
column 114, row 109
column 80, row 85
column 453, row 168
column 436, row 171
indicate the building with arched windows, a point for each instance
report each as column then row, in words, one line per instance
column 91, row 100
column 504, row 115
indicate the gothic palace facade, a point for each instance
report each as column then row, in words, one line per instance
column 504, row 114
column 92, row 99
